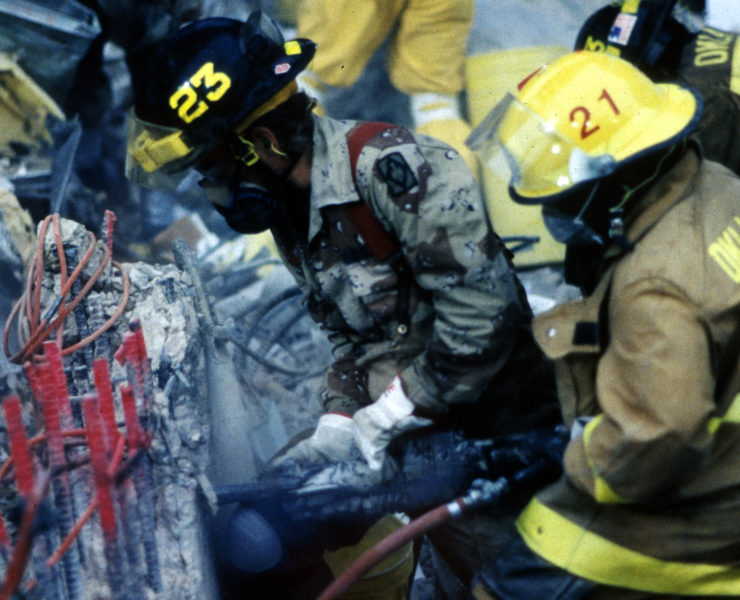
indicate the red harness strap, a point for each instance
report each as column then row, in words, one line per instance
column 382, row 244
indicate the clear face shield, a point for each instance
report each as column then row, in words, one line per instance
column 531, row 155
column 158, row 157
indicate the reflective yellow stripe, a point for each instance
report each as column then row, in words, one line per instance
column 735, row 68
column 602, row 491
column 268, row 105
column 153, row 154
column 292, row 47
column 630, row 6
column 593, row 557
column 731, row 416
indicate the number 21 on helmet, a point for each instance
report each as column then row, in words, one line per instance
column 577, row 120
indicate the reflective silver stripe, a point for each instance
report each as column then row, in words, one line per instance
column 454, row 508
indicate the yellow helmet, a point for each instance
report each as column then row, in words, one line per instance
column 577, row 120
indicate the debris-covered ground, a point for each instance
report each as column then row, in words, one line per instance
column 151, row 355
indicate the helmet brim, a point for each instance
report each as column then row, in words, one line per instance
column 158, row 157
column 540, row 164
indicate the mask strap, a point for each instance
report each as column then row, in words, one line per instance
column 276, row 151
column 243, row 151
column 579, row 217
column 658, row 170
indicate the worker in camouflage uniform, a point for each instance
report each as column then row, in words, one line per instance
column 384, row 230
column 648, row 361
column 669, row 42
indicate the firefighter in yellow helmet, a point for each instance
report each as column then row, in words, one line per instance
column 648, row 361
column 426, row 55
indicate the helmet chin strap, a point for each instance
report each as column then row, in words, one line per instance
column 616, row 213
column 244, row 151
column 581, row 221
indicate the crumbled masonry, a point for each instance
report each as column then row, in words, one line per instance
column 125, row 478
column 119, row 426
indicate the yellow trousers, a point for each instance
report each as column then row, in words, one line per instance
column 427, row 40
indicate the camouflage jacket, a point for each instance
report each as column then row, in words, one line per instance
column 711, row 64
column 467, row 308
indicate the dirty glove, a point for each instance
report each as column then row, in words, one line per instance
column 331, row 441
column 382, row 421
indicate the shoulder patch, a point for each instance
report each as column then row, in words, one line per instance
column 397, row 174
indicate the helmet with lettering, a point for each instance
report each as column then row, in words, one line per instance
column 649, row 33
column 578, row 120
column 205, row 83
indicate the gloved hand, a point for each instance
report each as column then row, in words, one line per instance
column 383, row 420
column 332, row 441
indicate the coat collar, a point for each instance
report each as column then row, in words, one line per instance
column 331, row 175
column 670, row 189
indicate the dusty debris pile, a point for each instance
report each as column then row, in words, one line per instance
column 123, row 461
column 133, row 393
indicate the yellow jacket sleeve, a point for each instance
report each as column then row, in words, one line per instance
column 654, row 386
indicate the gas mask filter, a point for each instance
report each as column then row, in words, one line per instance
column 247, row 207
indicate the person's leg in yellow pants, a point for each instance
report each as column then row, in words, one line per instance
column 430, row 46
column 426, row 56
column 427, row 61
column 347, row 32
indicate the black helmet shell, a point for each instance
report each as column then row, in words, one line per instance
column 650, row 38
column 212, row 73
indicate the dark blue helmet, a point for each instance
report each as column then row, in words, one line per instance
column 648, row 33
column 204, row 83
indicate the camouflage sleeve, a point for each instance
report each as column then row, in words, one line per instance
column 425, row 193
column 342, row 374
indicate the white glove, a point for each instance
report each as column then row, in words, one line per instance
column 386, row 418
column 331, row 441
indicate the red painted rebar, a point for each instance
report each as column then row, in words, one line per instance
column 139, row 439
column 53, row 355
column 24, row 545
column 19, row 448
column 104, row 388
column 134, row 433
column 98, row 461
column 50, row 409
column 57, row 412
column 109, row 219
column 33, row 378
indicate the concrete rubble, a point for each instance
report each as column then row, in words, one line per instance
column 185, row 395
column 232, row 359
